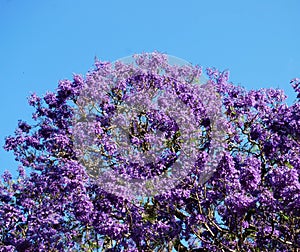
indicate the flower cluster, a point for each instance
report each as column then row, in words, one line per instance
column 139, row 130
column 247, row 200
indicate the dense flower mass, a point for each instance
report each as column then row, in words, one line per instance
column 248, row 199
column 134, row 132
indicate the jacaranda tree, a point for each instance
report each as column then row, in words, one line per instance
column 148, row 156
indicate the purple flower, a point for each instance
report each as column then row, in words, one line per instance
column 249, row 202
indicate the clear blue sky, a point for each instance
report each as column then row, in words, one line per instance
column 43, row 41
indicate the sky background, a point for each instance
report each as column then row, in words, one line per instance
column 43, row 41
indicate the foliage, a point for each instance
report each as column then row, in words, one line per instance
column 250, row 203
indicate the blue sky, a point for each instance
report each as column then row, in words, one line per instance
column 45, row 41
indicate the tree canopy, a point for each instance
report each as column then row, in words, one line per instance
column 224, row 176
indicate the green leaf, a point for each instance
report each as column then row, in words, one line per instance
column 287, row 164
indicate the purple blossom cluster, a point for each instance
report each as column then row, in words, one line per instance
column 138, row 131
column 250, row 202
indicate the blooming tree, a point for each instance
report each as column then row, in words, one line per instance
column 218, row 170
